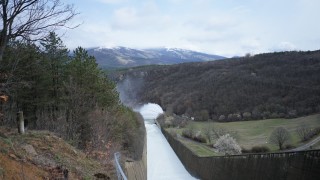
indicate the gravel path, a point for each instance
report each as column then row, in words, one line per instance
column 307, row 145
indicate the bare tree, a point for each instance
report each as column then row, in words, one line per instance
column 279, row 137
column 304, row 132
column 28, row 20
column 31, row 19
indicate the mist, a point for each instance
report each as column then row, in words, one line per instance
column 129, row 89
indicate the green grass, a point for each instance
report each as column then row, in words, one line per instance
column 199, row 149
column 257, row 133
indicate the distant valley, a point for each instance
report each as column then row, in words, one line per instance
column 123, row 57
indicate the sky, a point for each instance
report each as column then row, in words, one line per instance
column 223, row 27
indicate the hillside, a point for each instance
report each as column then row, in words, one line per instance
column 121, row 57
column 42, row 155
column 273, row 85
column 68, row 96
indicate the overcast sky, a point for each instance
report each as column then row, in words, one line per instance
column 222, row 27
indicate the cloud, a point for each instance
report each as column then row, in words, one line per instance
column 146, row 17
column 125, row 17
column 228, row 27
column 251, row 45
column 187, row 1
column 285, row 46
column 220, row 24
column 111, row 1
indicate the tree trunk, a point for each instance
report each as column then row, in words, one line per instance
column 20, row 120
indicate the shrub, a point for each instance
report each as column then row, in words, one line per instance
column 200, row 138
column 245, row 150
column 313, row 133
column 168, row 123
column 246, row 115
column 228, row 145
column 173, row 133
column 289, row 146
column 259, row 149
column 187, row 133
column 304, row 131
column 222, row 118
column 183, row 124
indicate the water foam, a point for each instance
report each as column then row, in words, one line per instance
column 150, row 111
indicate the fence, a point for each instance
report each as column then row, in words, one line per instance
column 120, row 173
column 302, row 165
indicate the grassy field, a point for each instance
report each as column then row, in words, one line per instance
column 199, row 149
column 255, row 133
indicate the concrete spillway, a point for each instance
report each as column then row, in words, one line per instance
column 162, row 162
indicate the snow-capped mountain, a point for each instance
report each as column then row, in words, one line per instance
column 120, row 57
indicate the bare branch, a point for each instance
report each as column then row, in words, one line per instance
column 279, row 137
column 32, row 19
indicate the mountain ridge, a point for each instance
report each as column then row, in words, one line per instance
column 123, row 57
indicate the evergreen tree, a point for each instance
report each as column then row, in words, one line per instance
column 87, row 88
column 23, row 67
column 55, row 58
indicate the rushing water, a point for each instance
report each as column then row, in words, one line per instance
column 163, row 163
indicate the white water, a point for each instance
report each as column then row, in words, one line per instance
column 163, row 163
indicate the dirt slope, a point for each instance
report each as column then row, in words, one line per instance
column 42, row 155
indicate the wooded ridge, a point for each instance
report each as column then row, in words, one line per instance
column 271, row 85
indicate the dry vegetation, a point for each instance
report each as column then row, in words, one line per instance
column 42, row 155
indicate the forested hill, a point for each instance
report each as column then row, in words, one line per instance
column 284, row 84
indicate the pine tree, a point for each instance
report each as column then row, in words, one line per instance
column 55, row 58
column 87, row 88
column 22, row 64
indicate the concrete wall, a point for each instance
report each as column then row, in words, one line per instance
column 137, row 170
column 304, row 165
